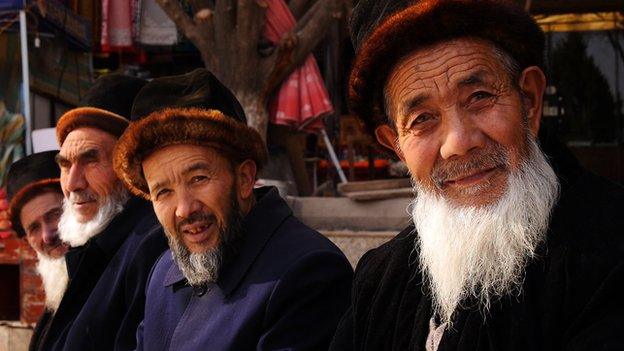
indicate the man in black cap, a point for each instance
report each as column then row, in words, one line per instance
column 115, row 237
column 36, row 204
column 243, row 273
column 505, row 252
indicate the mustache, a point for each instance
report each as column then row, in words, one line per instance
column 476, row 161
column 196, row 217
column 81, row 196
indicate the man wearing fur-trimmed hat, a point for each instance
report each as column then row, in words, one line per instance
column 36, row 205
column 506, row 251
column 115, row 238
column 242, row 272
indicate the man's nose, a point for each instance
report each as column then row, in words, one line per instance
column 186, row 205
column 49, row 234
column 75, row 180
column 461, row 136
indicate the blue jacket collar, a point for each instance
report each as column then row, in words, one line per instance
column 260, row 224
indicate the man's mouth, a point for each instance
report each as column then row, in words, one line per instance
column 197, row 232
column 472, row 177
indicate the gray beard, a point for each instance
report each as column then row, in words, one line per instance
column 77, row 233
column 53, row 272
column 203, row 268
column 482, row 252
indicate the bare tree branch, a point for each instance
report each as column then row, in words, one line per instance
column 179, row 17
column 197, row 5
column 297, row 44
column 298, row 7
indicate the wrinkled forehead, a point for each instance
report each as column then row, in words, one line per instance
column 444, row 67
column 84, row 139
column 40, row 205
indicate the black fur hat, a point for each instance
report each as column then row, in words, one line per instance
column 194, row 108
column 384, row 31
column 106, row 106
column 28, row 177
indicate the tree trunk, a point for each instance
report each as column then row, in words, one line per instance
column 256, row 112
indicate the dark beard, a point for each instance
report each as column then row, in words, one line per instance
column 203, row 268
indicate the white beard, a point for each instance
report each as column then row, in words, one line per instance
column 53, row 272
column 76, row 233
column 481, row 252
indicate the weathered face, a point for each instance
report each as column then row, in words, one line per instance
column 191, row 189
column 87, row 175
column 39, row 218
column 461, row 125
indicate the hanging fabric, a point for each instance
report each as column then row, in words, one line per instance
column 302, row 99
column 116, row 24
column 154, row 27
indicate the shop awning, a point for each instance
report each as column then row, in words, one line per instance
column 575, row 22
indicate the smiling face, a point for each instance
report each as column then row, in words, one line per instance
column 87, row 175
column 460, row 120
column 192, row 189
column 39, row 218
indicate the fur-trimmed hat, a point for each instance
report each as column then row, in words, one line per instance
column 106, row 106
column 384, row 31
column 194, row 108
column 27, row 178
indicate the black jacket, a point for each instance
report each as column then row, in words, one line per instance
column 40, row 330
column 105, row 298
column 571, row 298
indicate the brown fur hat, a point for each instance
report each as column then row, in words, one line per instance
column 194, row 108
column 105, row 106
column 384, row 31
column 28, row 177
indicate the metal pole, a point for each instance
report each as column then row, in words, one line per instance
column 25, row 80
column 332, row 155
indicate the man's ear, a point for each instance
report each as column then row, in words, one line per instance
column 246, row 173
column 532, row 86
column 387, row 137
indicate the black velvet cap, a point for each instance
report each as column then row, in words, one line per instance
column 26, row 178
column 385, row 31
column 199, row 89
column 114, row 93
column 106, row 106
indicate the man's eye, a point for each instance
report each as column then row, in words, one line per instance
column 480, row 95
column 422, row 118
column 162, row 192
column 199, row 178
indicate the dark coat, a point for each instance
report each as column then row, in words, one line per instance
column 105, row 299
column 40, row 330
column 286, row 289
column 571, row 298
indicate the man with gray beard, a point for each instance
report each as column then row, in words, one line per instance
column 506, row 252
column 35, row 196
column 243, row 273
column 115, row 238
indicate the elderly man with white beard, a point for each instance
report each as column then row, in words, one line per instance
column 36, row 204
column 115, row 238
column 506, row 252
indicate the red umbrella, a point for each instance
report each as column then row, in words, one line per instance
column 302, row 100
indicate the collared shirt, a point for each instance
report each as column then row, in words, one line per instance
column 287, row 288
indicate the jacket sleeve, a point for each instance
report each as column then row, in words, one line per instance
column 600, row 326
column 307, row 303
column 151, row 248
column 344, row 338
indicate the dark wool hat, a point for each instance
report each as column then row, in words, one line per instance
column 384, row 31
column 28, row 177
column 105, row 106
column 194, row 108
